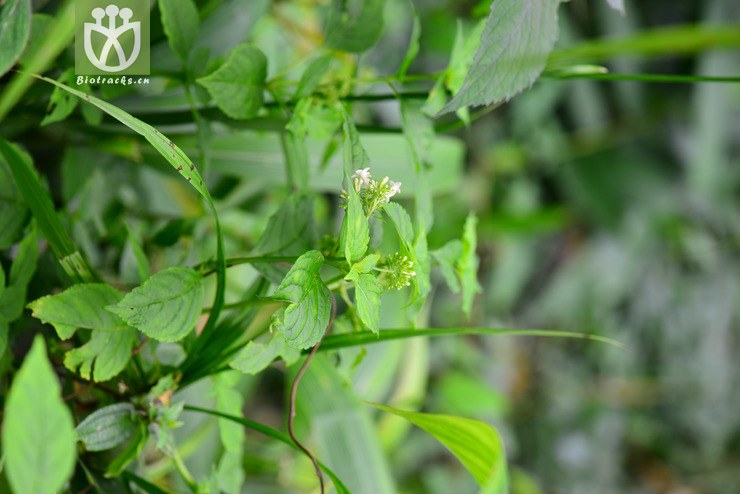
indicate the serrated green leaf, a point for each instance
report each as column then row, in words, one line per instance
column 305, row 320
column 413, row 49
column 354, row 236
column 39, row 441
column 447, row 257
column 476, row 444
column 354, row 25
column 166, row 306
column 79, row 307
column 104, row 356
column 180, row 23
column 108, row 427
column 467, row 266
column 237, row 86
column 15, row 29
column 367, row 298
column 364, row 266
column 518, row 37
column 61, row 103
column 255, row 356
column 402, row 224
column 312, row 76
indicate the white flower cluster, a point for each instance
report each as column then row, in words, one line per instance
column 378, row 190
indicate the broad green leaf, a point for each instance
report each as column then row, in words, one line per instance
column 255, row 356
column 354, row 235
column 515, row 44
column 61, row 103
column 180, row 23
column 104, row 356
column 237, row 86
column 367, row 297
column 305, row 320
column 80, row 306
column 402, row 223
column 15, row 28
column 354, row 25
column 108, row 427
column 467, row 266
column 13, row 210
column 476, row 444
column 166, row 306
column 413, row 48
column 447, row 257
column 39, row 442
column 312, row 76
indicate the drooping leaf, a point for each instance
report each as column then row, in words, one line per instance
column 108, row 427
column 467, row 266
column 413, row 48
column 305, row 319
column 38, row 436
column 166, row 307
column 104, row 356
column 237, row 86
column 312, row 76
column 15, row 28
column 476, row 444
column 80, row 306
column 256, row 356
column 180, row 23
column 354, row 25
column 516, row 41
column 354, row 235
column 402, row 223
column 367, row 297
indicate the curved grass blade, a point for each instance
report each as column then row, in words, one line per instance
column 180, row 162
column 333, row 342
column 273, row 433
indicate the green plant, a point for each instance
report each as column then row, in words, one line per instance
column 155, row 284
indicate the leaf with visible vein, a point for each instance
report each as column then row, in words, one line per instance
column 80, row 306
column 476, row 444
column 38, row 436
column 108, row 427
column 166, row 306
column 305, row 320
column 518, row 37
column 237, row 86
column 103, row 357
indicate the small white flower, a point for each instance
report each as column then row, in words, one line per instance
column 363, row 175
column 394, row 188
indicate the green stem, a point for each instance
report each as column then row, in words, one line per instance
column 184, row 472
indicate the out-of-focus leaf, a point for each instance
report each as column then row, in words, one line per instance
column 38, row 432
column 256, row 356
column 108, row 427
column 476, row 444
column 467, row 265
column 13, row 210
column 229, row 473
column 311, row 77
column 79, row 306
column 180, row 23
column 617, row 5
column 447, row 257
column 305, row 320
column 413, row 48
column 354, row 25
column 515, row 44
column 104, row 356
column 237, row 86
column 345, row 435
column 15, row 28
column 166, row 306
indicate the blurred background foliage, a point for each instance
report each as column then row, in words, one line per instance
column 608, row 207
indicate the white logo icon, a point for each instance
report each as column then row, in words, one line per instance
column 113, row 34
